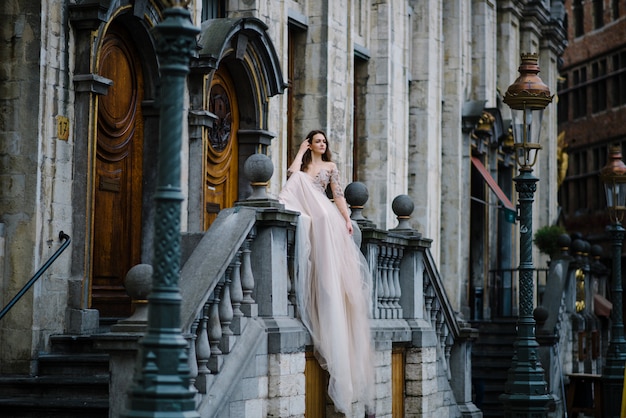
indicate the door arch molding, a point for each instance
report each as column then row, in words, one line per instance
column 242, row 48
column 91, row 24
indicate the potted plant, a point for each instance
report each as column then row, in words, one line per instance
column 546, row 239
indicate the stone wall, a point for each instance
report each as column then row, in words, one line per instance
column 36, row 177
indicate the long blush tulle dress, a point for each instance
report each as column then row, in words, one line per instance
column 333, row 289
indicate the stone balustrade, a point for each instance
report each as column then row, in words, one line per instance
column 240, row 275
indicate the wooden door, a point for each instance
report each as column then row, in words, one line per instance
column 221, row 162
column 398, row 365
column 316, row 384
column 118, row 175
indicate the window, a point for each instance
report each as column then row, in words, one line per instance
column 615, row 9
column 579, row 18
column 358, row 115
column 563, row 107
column 598, row 10
column 580, row 92
column 213, row 9
column 598, row 89
column 296, row 47
column 618, row 79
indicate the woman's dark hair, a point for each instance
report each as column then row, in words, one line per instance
column 306, row 158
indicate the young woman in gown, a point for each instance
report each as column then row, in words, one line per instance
column 332, row 280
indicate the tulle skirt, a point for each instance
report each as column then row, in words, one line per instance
column 333, row 292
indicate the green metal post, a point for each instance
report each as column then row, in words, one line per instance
column 613, row 373
column 526, row 392
column 161, row 387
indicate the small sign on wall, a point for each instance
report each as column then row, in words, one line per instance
column 63, row 128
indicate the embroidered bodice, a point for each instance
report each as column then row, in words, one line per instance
column 325, row 177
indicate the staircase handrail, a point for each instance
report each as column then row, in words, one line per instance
column 195, row 290
column 38, row 274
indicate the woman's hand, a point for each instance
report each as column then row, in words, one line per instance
column 304, row 147
column 349, row 226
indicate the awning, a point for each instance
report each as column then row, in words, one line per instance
column 493, row 185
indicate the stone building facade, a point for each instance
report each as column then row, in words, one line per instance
column 399, row 86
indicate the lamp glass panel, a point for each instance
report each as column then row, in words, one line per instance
column 517, row 122
column 534, row 118
column 616, row 197
column 609, row 190
column 620, row 194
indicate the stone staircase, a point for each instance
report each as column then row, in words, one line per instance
column 72, row 382
column 492, row 353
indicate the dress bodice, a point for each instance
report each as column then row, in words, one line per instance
column 324, row 177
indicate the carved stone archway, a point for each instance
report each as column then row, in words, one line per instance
column 242, row 48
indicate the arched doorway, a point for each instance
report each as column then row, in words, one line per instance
column 221, row 148
column 117, row 199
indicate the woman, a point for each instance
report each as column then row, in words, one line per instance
column 332, row 279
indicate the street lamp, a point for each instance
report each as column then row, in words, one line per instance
column 613, row 175
column 526, row 392
column 162, row 380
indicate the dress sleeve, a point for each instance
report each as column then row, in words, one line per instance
column 335, row 184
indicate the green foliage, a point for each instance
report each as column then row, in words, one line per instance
column 546, row 239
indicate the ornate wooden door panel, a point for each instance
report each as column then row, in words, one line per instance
column 118, row 177
column 221, row 170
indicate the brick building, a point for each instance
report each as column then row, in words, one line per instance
column 592, row 109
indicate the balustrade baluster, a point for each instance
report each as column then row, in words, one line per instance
column 247, row 279
column 380, row 294
column 226, row 305
column 436, row 307
column 215, row 332
column 448, row 351
column 203, row 350
column 236, row 292
column 191, row 355
column 384, row 299
column 398, row 252
column 290, row 268
column 391, row 253
column 214, row 324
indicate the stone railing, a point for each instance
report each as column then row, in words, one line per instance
column 407, row 284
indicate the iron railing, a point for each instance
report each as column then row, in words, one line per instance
column 503, row 290
column 63, row 237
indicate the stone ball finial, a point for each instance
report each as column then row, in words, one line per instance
column 138, row 282
column 597, row 251
column 564, row 241
column 258, row 168
column 578, row 246
column 586, row 247
column 540, row 314
column 403, row 207
column 356, row 195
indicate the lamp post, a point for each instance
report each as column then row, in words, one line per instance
column 162, row 380
column 613, row 175
column 526, row 392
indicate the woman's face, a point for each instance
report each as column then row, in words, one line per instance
column 318, row 144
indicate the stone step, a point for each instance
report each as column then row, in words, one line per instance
column 492, row 354
column 53, row 407
column 73, row 364
column 68, row 387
